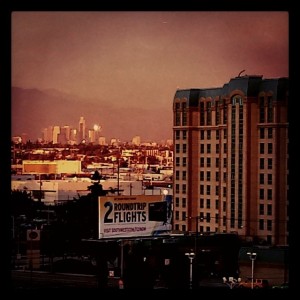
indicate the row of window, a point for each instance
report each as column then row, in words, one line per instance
column 262, row 163
column 262, row 148
column 262, row 223
column 268, row 192
column 202, row 201
column 263, row 193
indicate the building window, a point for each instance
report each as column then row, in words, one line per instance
column 270, row 179
column 201, row 217
column 270, row 163
column 225, row 148
column 177, row 135
column 269, row 209
column 261, row 163
column 184, row 148
column 183, row 202
column 261, row 110
column 208, row 113
column 225, row 134
column 184, row 189
column 217, row 115
column 270, row 133
column 177, row 118
column 208, row 148
column 208, row 217
column 184, row 161
column 202, row 135
column 208, row 133
column 184, row 134
column 202, row 162
column 208, row 203
column 201, row 203
column 261, row 178
column 224, row 176
column 177, row 188
column 217, row 176
column 183, row 228
column 201, row 229
column 261, row 209
column 262, row 133
column 176, row 202
column 208, row 162
column 183, row 175
column 270, row 148
column 269, row 225
column 208, row 176
column 261, row 194
column 261, row 224
column 225, row 162
column 201, row 175
column 177, row 175
column 177, row 148
column 202, row 148
column 217, row 190
column 202, row 115
column 208, row 190
column 183, row 215
column 217, row 162
column 224, row 218
column 270, row 109
column 217, row 204
column 269, row 194
column 177, row 161
column 261, row 148
column 177, row 215
column 217, row 219
column 217, row 134
column 217, row 148
column 224, row 191
column 201, row 189
column 225, row 114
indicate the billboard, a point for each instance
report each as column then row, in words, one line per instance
column 130, row 216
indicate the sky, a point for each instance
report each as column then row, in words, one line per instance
column 141, row 58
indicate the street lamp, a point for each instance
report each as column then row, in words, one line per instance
column 231, row 282
column 191, row 256
column 252, row 256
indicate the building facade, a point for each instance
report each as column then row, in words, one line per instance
column 231, row 159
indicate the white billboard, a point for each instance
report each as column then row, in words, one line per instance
column 133, row 216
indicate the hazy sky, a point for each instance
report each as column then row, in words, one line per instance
column 141, row 58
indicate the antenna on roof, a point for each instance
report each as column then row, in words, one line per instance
column 241, row 73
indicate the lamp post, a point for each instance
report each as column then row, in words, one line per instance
column 231, row 282
column 191, row 256
column 252, row 256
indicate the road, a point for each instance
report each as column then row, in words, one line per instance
column 28, row 280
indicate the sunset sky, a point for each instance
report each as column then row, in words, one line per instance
column 139, row 59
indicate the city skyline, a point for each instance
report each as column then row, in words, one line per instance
column 133, row 62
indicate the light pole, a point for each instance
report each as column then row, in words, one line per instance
column 231, row 282
column 191, row 256
column 252, row 256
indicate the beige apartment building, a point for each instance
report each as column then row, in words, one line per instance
column 231, row 159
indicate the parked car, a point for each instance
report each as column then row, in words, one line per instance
column 257, row 283
column 284, row 285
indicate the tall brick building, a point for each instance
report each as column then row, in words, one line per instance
column 231, row 159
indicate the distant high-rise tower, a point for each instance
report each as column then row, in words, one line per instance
column 81, row 130
column 136, row 140
column 231, row 159
column 56, row 132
